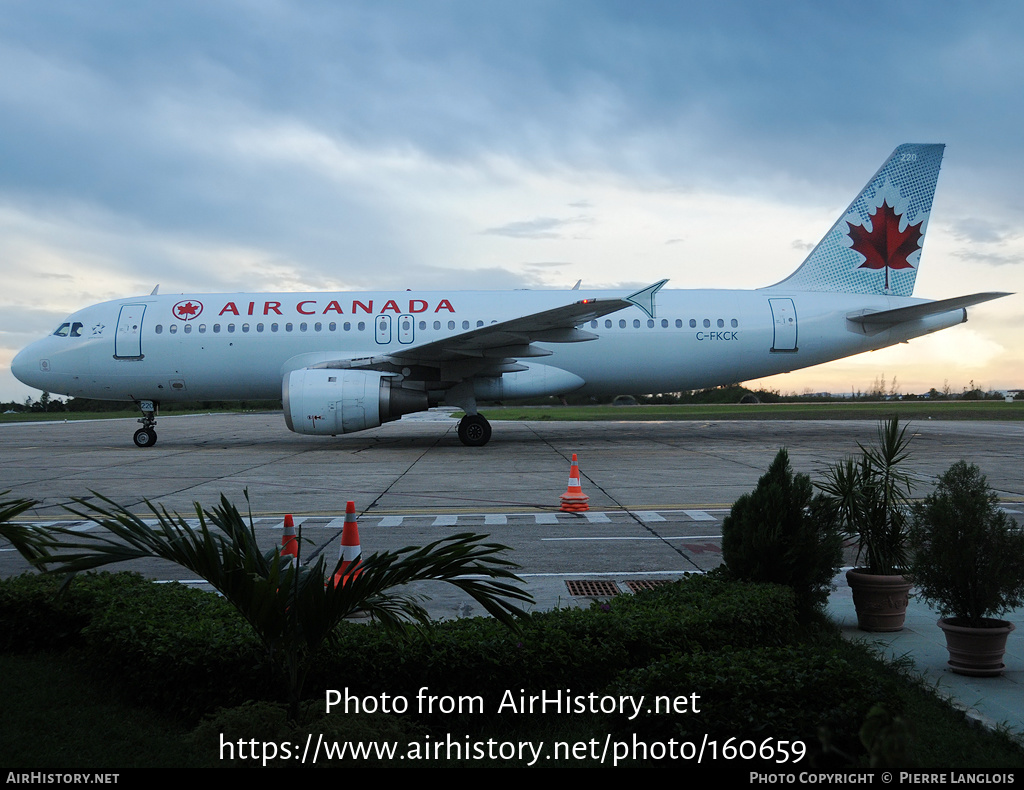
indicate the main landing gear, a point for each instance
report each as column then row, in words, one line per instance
column 474, row 430
column 146, row 435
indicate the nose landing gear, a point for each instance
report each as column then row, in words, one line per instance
column 146, row 435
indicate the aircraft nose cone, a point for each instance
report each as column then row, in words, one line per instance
column 26, row 366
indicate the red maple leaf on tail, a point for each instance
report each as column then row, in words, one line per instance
column 885, row 246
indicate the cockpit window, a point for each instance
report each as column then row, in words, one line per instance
column 67, row 329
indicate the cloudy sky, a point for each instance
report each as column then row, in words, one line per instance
column 269, row 145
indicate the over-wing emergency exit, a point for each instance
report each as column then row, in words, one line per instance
column 345, row 362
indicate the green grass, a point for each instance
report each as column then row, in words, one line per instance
column 838, row 410
column 905, row 410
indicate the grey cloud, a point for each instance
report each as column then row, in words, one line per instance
column 975, row 229
column 991, row 258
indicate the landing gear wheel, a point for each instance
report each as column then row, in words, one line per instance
column 474, row 430
column 144, row 437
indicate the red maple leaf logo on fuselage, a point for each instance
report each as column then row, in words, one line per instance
column 187, row 310
column 885, row 246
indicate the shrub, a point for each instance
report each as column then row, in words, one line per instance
column 779, row 693
column 41, row 612
column 968, row 554
column 780, row 533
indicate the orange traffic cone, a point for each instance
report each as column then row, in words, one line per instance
column 289, row 542
column 349, row 546
column 574, row 500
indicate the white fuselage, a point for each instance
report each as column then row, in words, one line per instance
column 240, row 346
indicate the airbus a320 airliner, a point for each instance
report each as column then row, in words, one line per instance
column 345, row 362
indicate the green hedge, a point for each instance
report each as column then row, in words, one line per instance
column 189, row 652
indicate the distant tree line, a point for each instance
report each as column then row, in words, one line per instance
column 48, row 403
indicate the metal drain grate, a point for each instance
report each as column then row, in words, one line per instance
column 645, row 584
column 588, row 588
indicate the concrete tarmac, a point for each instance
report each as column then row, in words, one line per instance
column 658, row 492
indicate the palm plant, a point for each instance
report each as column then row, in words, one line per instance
column 871, row 499
column 288, row 605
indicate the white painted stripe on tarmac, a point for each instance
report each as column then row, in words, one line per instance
column 545, row 518
column 648, row 515
column 445, row 521
column 597, row 518
column 391, row 521
column 644, row 537
column 700, row 515
column 495, row 520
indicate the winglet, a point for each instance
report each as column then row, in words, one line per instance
column 644, row 298
column 155, row 290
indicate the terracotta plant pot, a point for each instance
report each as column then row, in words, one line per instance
column 977, row 652
column 881, row 601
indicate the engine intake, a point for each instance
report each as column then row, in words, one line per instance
column 328, row 402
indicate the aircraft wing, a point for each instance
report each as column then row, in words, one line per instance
column 507, row 340
column 514, row 338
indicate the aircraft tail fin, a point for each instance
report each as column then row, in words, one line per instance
column 875, row 246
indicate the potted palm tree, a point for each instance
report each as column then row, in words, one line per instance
column 870, row 498
column 969, row 563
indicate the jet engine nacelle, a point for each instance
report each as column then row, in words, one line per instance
column 329, row 402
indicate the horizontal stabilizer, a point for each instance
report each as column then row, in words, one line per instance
column 886, row 318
